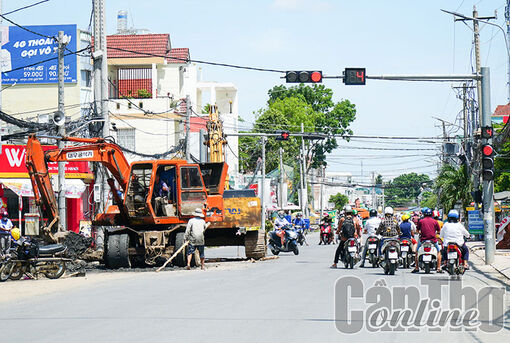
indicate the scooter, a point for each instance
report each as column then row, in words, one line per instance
column 301, row 239
column 351, row 253
column 372, row 252
column 427, row 256
column 326, row 236
column 406, row 253
column 275, row 243
column 454, row 262
column 389, row 255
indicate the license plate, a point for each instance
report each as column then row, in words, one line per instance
column 452, row 255
column 393, row 254
column 372, row 246
column 427, row 258
column 404, row 254
column 352, row 249
column 405, row 248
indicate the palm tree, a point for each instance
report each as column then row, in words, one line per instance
column 453, row 185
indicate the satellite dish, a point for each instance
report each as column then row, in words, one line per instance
column 59, row 118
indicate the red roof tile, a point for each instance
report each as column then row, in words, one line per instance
column 178, row 55
column 502, row 110
column 157, row 44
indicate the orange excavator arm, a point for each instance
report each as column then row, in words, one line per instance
column 94, row 150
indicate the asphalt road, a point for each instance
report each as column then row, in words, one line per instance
column 288, row 299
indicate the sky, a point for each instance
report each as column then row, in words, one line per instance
column 385, row 37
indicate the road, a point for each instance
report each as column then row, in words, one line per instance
column 287, row 299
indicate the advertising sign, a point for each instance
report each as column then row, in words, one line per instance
column 12, row 164
column 475, row 222
column 23, row 54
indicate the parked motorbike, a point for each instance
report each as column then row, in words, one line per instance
column 406, row 253
column 372, row 251
column 427, row 256
column 454, row 263
column 27, row 257
column 389, row 256
column 351, row 253
column 275, row 244
column 327, row 235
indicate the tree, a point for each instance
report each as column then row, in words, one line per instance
column 404, row 189
column 454, row 186
column 339, row 200
column 286, row 109
column 502, row 169
column 429, row 200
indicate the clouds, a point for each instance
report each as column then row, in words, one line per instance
column 296, row 5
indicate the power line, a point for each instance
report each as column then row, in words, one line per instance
column 26, row 29
column 25, row 7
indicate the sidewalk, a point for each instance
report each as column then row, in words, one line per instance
column 501, row 258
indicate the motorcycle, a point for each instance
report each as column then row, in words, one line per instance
column 406, row 252
column 351, row 253
column 27, row 257
column 455, row 263
column 301, row 234
column 327, row 235
column 275, row 244
column 389, row 255
column 373, row 254
column 427, row 256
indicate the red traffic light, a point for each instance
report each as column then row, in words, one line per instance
column 316, row 76
column 285, row 135
column 303, row 76
column 487, row 150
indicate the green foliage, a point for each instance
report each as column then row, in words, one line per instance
column 206, row 109
column 289, row 107
column 502, row 169
column 429, row 200
column 143, row 93
column 453, row 185
column 339, row 200
column 404, row 189
column 379, row 180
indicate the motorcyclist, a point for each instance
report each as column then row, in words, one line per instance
column 326, row 221
column 371, row 226
column 388, row 228
column 299, row 221
column 437, row 216
column 428, row 227
column 408, row 230
column 348, row 227
column 279, row 224
column 454, row 232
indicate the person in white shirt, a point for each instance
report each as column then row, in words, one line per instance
column 279, row 224
column 455, row 232
column 371, row 226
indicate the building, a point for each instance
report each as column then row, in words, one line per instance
column 150, row 81
column 501, row 114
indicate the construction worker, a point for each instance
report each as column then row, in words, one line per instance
column 195, row 235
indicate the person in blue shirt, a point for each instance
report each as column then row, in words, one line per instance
column 408, row 229
column 299, row 221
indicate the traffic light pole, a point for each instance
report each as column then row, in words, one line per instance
column 62, row 132
column 487, row 185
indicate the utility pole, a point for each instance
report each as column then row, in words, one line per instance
column 61, row 132
column 262, row 189
column 188, row 124
column 487, row 186
column 323, row 177
column 304, row 191
column 280, row 183
column 373, row 190
column 507, row 17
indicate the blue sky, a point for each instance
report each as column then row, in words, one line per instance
column 386, row 37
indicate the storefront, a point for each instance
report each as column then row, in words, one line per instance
column 16, row 194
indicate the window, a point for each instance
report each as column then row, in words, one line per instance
column 86, row 78
column 190, row 178
column 126, row 138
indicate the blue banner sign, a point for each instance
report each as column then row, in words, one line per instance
column 23, row 54
column 475, row 222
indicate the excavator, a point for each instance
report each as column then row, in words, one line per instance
column 142, row 224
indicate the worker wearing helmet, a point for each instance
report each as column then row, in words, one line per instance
column 455, row 232
column 408, row 230
column 428, row 227
column 5, row 233
column 371, row 226
column 388, row 228
column 348, row 223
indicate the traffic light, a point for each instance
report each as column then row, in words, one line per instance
column 355, row 76
column 487, row 132
column 283, row 135
column 303, row 76
column 487, row 162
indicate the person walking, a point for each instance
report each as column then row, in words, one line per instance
column 195, row 235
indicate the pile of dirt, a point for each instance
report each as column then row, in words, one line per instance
column 76, row 244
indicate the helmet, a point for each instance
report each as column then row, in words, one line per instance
column 453, row 214
column 5, row 214
column 388, row 210
column 298, row 214
column 281, row 213
column 348, row 209
column 405, row 217
column 15, row 233
column 427, row 211
column 354, row 212
column 373, row 213
column 435, row 214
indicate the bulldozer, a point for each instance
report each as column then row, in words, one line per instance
column 142, row 224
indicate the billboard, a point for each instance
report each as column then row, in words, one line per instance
column 23, row 52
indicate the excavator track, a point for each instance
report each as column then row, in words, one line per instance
column 255, row 244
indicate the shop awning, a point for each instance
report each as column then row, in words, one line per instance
column 23, row 187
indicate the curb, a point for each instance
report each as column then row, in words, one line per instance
column 477, row 248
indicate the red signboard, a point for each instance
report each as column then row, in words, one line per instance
column 12, row 164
